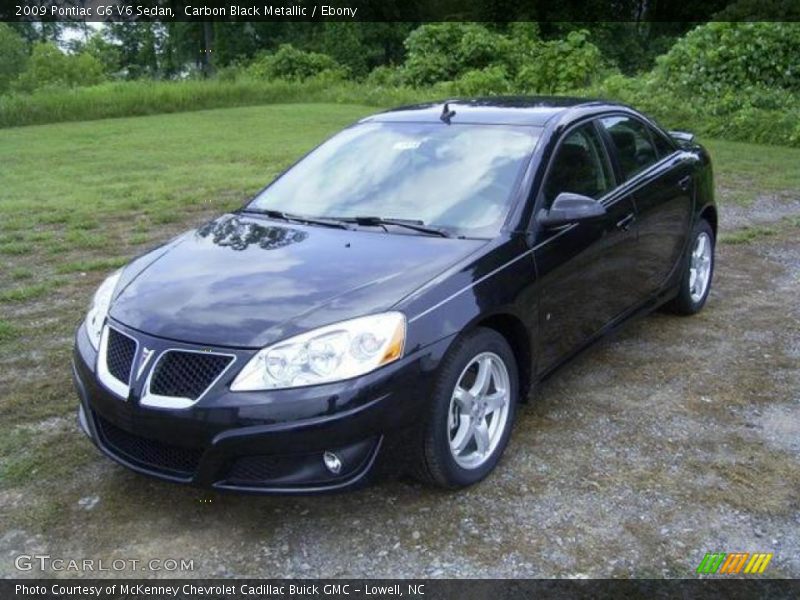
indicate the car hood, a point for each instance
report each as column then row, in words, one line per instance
column 245, row 281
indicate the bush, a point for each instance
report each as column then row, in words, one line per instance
column 476, row 58
column 146, row 97
column 292, row 64
column 717, row 57
column 50, row 67
column 753, row 114
column 445, row 51
column 561, row 65
column 729, row 90
column 484, row 82
column 385, row 76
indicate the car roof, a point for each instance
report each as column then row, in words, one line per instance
column 496, row 110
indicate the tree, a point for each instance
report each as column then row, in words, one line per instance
column 49, row 66
column 292, row 64
column 344, row 43
column 105, row 52
column 13, row 56
column 140, row 44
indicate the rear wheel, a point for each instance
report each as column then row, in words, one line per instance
column 698, row 271
column 472, row 411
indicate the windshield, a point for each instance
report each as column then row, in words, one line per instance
column 459, row 177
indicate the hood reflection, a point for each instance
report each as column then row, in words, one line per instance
column 232, row 232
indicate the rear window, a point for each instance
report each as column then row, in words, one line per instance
column 635, row 148
column 663, row 145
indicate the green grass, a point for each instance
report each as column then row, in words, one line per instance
column 20, row 273
column 159, row 165
column 15, row 248
column 137, row 98
column 7, row 330
column 755, row 233
column 747, row 235
column 86, row 239
column 25, row 293
column 31, row 457
column 99, row 264
column 747, row 170
column 77, row 200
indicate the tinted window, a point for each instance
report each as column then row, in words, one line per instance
column 452, row 176
column 633, row 143
column 664, row 147
column 580, row 166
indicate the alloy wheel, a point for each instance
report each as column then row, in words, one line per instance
column 478, row 410
column 700, row 267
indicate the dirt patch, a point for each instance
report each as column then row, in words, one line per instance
column 763, row 210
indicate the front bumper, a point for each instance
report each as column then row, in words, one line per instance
column 266, row 442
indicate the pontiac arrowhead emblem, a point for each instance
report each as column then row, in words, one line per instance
column 146, row 355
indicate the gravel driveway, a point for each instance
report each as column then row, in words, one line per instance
column 676, row 437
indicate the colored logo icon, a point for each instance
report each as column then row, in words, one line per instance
column 734, row 563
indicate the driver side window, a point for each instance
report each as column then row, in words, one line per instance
column 580, row 166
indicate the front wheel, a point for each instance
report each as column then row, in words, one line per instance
column 698, row 271
column 472, row 411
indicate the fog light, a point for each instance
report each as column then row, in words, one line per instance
column 332, row 462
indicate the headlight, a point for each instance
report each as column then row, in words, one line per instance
column 98, row 310
column 332, row 353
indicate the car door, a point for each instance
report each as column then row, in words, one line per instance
column 659, row 177
column 582, row 268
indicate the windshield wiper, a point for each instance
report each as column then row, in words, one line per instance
column 278, row 214
column 407, row 223
column 268, row 212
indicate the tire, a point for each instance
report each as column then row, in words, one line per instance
column 690, row 299
column 449, row 419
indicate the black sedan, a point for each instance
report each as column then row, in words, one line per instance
column 394, row 294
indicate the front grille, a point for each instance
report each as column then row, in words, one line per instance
column 119, row 355
column 187, row 374
column 148, row 453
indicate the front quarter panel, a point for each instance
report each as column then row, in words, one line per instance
column 496, row 281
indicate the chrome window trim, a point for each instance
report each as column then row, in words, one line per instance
column 179, row 402
column 119, row 388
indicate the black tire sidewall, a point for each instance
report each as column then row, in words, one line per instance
column 441, row 464
column 686, row 294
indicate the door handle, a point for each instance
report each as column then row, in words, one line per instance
column 625, row 223
column 685, row 182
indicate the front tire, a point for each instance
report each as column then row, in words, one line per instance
column 472, row 411
column 698, row 271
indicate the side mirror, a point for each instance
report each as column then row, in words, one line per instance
column 571, row 208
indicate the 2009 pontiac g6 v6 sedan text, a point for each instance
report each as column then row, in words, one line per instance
column 408, row 281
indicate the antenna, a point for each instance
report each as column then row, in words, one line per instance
column 447, row 114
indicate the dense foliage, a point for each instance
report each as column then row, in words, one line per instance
column 561, row 65
column 479, row 60
column 292, row 64
column 50, row 67
column 445, row 51
column 13, row 56
column 734, row 80
column 718, row 57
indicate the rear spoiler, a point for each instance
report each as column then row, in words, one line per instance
column 684, row 138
